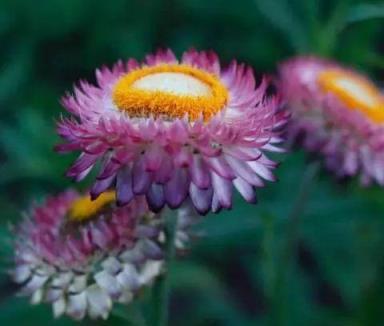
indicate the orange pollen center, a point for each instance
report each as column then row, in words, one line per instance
column 355, row 91
column 170, row 91
column 84, row 208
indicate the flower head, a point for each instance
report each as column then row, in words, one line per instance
column 82, row 255
column 171, row 129
column 338, row 113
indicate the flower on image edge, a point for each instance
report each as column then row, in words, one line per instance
column 173, row 129
column 82, row 255
column 338, row 113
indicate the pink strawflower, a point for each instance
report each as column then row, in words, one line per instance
column 171, row 129
column 338, row 113
column 82, row 255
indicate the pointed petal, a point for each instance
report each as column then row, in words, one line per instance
column 124, row 192
column 77, row 305
column 99, row 302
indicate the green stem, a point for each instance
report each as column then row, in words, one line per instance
column 289, row 250
column 162, row 289
column 300, row 203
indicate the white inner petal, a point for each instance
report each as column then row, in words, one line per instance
column 358, row 91
column 174, row 83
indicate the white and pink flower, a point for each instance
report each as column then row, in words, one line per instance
column 338, row 113
column 82, row 255
column 171, row 129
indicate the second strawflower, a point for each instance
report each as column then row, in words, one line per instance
column 171, row 129
column 337, row 112
column 83, row 256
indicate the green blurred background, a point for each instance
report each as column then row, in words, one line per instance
column 256, row 265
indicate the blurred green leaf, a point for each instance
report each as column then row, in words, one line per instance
column 282, row 17
column 19, row 312
column 365, row 11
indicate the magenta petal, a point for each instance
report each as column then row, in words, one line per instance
column 132, row 64
column 153, row 157
column 221, row 167
column 351, row 162
column 223, row 190
column 110, row 168
column 199, row 172
column 155, row 197
column 244, row 153
column 83, row 174
column 141, row 178
column 164, row 173
column 178, row 131
column 176, row 188
column 95, row 148
column 244, row 171
column 82, row 163
column 161, row 56
column 124, row 193
column 216, row 206
column 262, row 170
column 101, row 185
column 183, row 158
column 245, row 189
column 201, row 198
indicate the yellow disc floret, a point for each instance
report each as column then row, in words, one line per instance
column 170, row 91
column 355, row 91
column 84, row 208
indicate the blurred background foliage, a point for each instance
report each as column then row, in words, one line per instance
column 255, row 265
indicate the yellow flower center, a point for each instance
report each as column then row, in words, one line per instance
column 356, row 92
column 170, row 91
column 84, row 208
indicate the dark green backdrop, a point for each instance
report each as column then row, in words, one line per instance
column 255, row 265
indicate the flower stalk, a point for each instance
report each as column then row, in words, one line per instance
column 290, row 245
column 161, row 291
